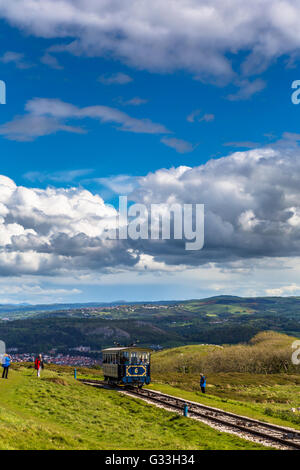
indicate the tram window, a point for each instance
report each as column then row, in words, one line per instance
column 123, row 358
column 133, row 358
column 138, row 358
column 145, row 358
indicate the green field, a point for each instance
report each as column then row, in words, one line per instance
column 56, row 412
column 255, row 379
column 233, row 381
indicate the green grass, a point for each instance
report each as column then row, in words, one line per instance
column 215, row 309
column 56, row 412
column 272, row 410
column 270, row 397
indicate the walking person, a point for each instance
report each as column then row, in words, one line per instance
column 5, row 364
column 39, row 364
column 202, row 383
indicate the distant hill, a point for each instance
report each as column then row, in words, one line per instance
column 215, row 320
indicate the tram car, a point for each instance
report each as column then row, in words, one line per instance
column 127, row 365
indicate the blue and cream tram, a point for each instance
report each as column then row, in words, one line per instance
column 127, row 365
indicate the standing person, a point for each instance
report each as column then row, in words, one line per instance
column 6, row 363
column 202, row 383
column 39, row 364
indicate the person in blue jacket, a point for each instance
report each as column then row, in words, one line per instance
column 6, row 363
column 202, row 383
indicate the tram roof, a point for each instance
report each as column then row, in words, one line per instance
column 128, row 348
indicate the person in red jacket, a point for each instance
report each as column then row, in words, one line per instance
column 39, row 364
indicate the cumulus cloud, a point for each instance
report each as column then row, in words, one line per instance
column 252, row 213
column 194, row 35
column 52, row 230
column 47, row 116
column 251, row 199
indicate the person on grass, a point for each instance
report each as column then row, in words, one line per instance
column 39, row 364
column 202, row 383
column 5, row 364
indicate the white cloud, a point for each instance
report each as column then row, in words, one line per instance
column 51, row 61
column 208, row 117
column 16, row 58
column 293, row 289
column 196, row 116
column 29, row 127
column 251, row 200
column 119, row 184
column 35, row 289
column 45, row 231
column 115, row 79
column 16, row 291
column 193, row 115
column 252, row 215
column 136, row 101
column 194, row 35
column 245, row 144
column 181, row 146
column 247, row 89
column 67, row 176
column 47, row 116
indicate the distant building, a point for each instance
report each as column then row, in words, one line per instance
column 81, row 349
column 156, row 347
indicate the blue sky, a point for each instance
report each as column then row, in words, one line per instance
column 169, row 99
column 168, row 94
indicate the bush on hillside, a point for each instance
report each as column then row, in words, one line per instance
column 266, row 353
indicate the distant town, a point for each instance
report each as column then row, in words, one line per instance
column 59, row 359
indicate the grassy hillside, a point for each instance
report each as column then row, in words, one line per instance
column 266, row 353
column 256, row 379
column 57, row 412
